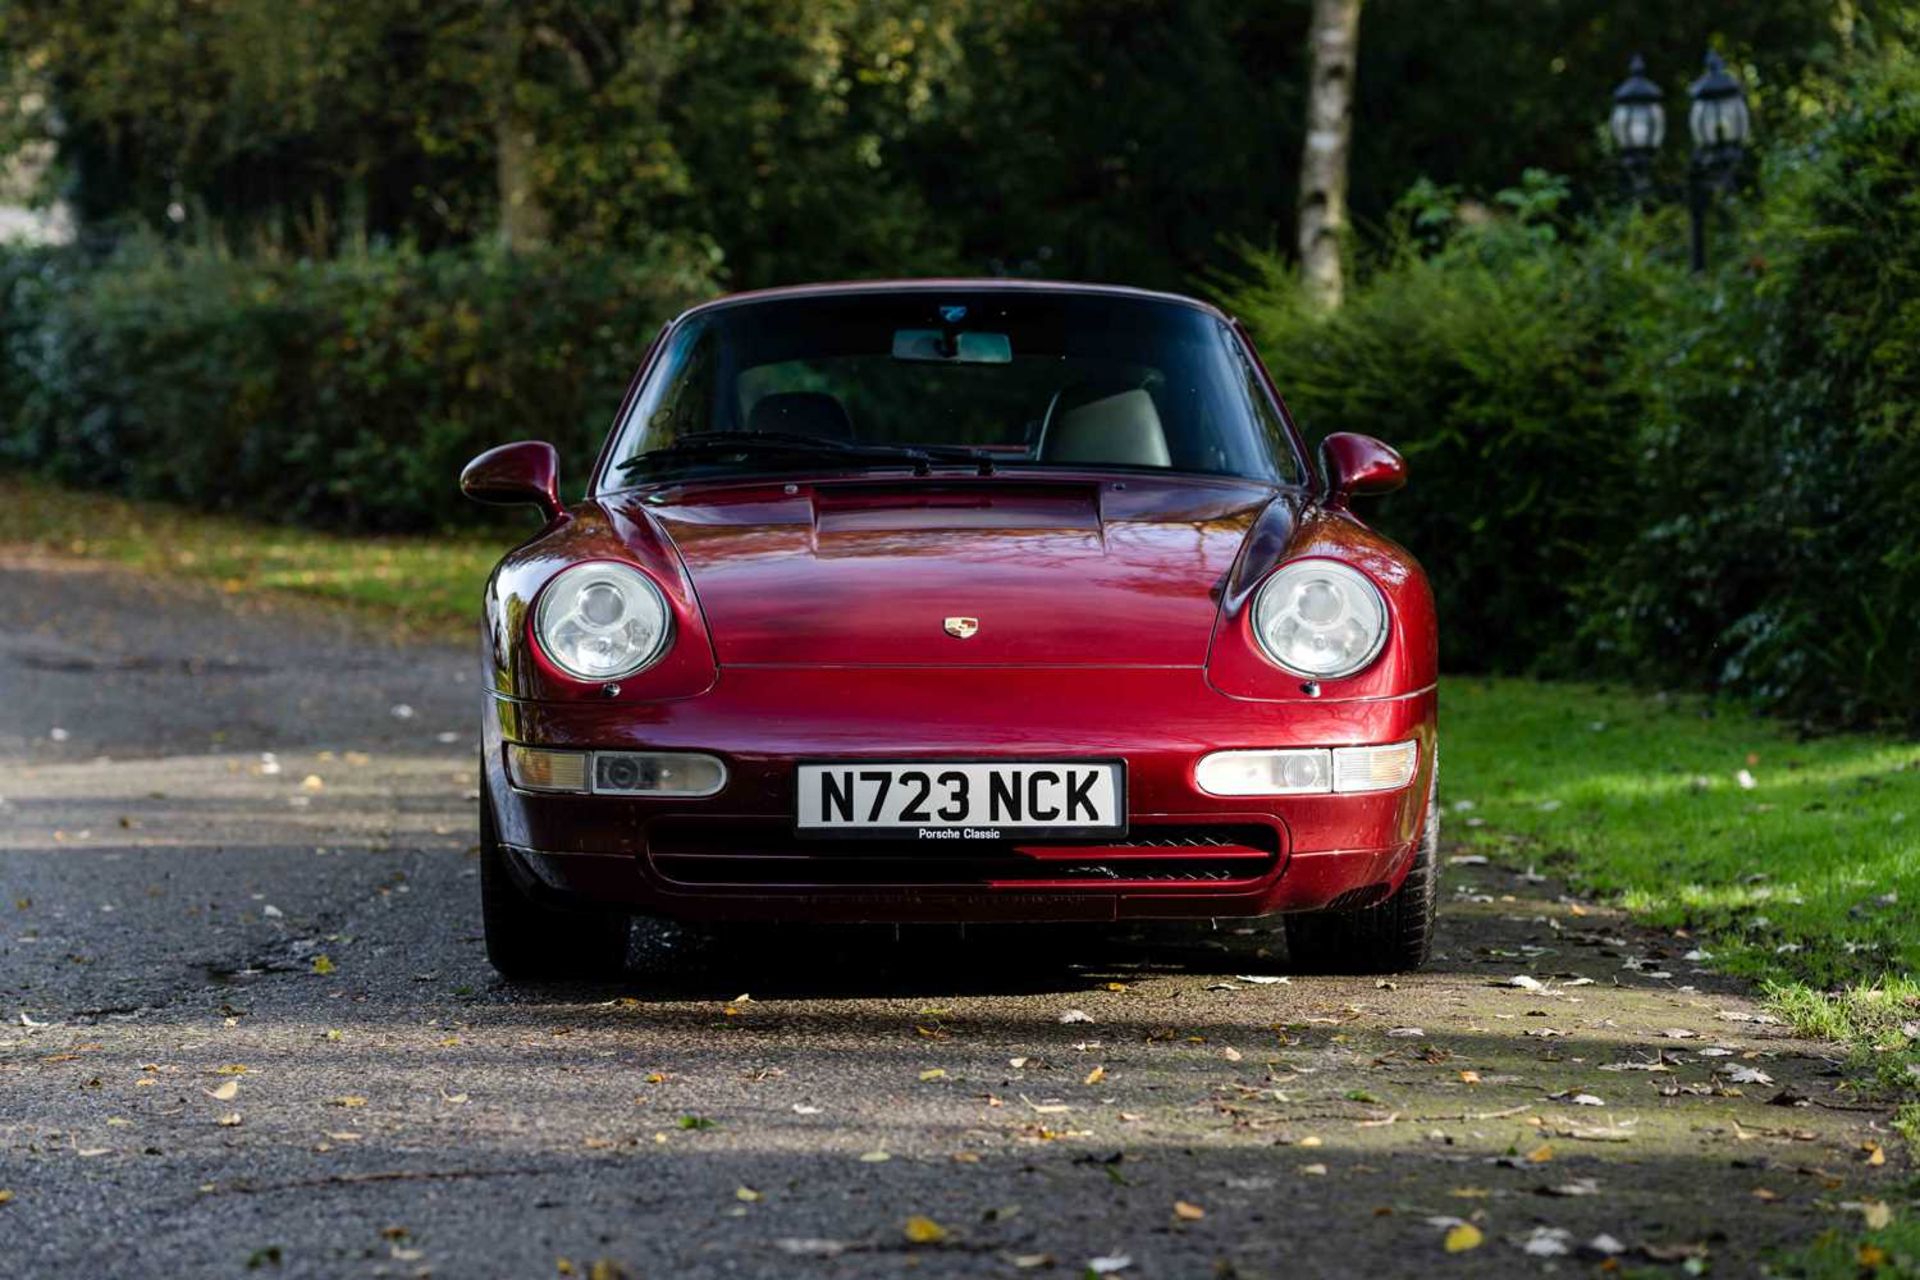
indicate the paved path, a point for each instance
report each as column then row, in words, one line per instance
column 246, row 1028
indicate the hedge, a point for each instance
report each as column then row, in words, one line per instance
column 344, row 394
column 1619, row 466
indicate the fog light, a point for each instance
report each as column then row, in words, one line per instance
column 1374, row 768
column 656, row 773
column 1295, row 772
column 536, row 769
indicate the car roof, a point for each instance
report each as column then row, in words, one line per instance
column 990, row 284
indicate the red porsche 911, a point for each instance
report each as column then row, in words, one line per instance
column 956, row 601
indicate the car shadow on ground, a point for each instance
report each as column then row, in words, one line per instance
column 671, row 962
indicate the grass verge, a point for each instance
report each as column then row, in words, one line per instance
column 419, row 585
column 1795, row 862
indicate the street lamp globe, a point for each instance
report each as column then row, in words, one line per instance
column 1719, row 117
column 1638, row 122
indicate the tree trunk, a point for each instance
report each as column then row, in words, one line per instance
column 1333, row 44
column 523, row 222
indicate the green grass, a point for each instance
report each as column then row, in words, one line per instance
column 1846, row 1255
column 417, row 584
column 1804, row 874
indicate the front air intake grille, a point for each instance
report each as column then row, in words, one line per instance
column 753, row 853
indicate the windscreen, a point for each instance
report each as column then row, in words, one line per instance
column 988, row 379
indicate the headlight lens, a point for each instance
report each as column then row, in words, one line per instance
column 601, row 621
column 1320, row 618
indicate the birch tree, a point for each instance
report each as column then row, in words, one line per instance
column 1332, row 44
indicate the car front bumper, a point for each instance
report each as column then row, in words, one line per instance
column 734, row 855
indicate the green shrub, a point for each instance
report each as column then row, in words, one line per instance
column 1487, row 363
column 343, row 393
column 1780, row 557
column 1620, row 466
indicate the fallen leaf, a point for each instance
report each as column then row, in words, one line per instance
column 1876, row 1214
column 1260, row 979
column 1406, row 1033
column 322, row 964
column 1095, row 1076
column 1231, row 1054
column 1109, row 1264
column 228, row 1121
column 351, row 1100
column 696, row 1122
column 1463, row 1237
column 1525, row 983
column 1578, row 1187
column 1874, row 1154
column 225, row 1093
column 1469, row 1077
column 935, row 1073
column 923, row 1230
column 1313, row 1170
column 1076, row 1015
column 1188, row 1212
column 748, row 1194
column 875, row 1157
column 1547, row 1242
column 6, row 1197
column 810, row 1247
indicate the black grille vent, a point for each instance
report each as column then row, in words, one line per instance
column 750, row 854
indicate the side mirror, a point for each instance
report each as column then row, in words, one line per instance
column 528, row 471
column 1358, row 465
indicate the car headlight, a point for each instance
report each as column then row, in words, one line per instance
column 602, row 620
column 1320, row 618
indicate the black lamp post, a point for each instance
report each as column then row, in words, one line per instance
column 1720, row 124
column 1638, row 125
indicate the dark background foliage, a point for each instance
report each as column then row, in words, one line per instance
column 1129, row 140
column 1623, row 467
column 340, row 394
column 290, row 295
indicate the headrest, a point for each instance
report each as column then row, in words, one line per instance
column 1122, row 429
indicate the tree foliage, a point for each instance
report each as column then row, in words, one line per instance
column 1618, row 465
column 1112, row 139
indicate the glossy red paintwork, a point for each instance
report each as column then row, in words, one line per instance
column 1359, row 465
column 1114, row 621
column 527, row 471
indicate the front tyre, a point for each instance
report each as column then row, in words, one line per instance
column 1388, row 937
column 526, row 938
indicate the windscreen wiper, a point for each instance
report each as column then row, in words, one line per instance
column 922, row 457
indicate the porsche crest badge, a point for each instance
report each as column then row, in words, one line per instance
column 961, row 628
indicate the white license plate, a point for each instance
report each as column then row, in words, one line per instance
column 941, row 800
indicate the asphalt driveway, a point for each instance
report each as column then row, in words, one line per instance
column 247, row 1028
